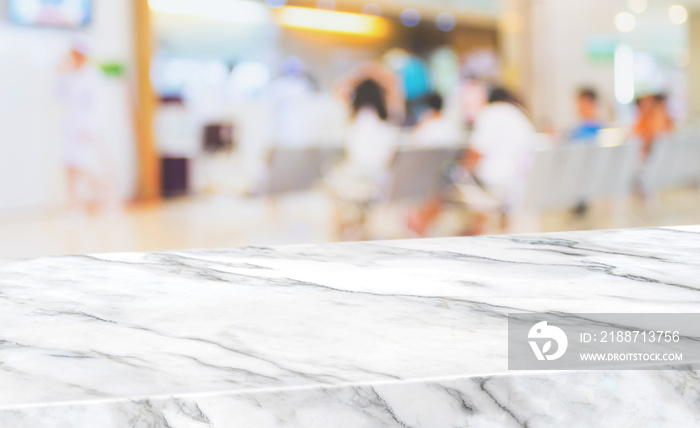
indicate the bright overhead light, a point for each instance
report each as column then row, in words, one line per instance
column 637, row 6
column 243, row 11
column 446, row 21
column 410, row 17
column 678, row 14
column 332, row 21
column 624, row 75
column 625, row 22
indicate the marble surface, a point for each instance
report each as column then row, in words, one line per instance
column 397, row 334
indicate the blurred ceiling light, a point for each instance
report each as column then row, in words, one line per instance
column 446, row 21
column 637, row 6
column 372, row 9
column 293, row 66
column 625, row 22
column 326, row 4
column 678, row 14
column 243, row 11
column 624, row 74
column 410, row 17
column 332, row 21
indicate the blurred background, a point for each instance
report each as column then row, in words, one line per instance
column 135, row 125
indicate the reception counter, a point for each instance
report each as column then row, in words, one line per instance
column 382, row 334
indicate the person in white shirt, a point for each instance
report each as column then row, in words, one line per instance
column 371, row 140
column 434, row 129
column 497, row 163
column 370, row 146
column 502, row 148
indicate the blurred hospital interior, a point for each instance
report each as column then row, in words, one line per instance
column 135, row 125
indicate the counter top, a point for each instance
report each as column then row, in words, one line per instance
column 402, row 333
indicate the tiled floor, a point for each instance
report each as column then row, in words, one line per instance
column 302, row 218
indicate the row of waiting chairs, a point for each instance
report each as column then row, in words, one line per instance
column 560, row 177
column 296, row 170
column 674, row 162
column 563, row 177
column 415, row 173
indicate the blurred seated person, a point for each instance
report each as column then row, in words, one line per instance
column 434, row 129
column 588, row 129
column 393, row 95
column 371, row 140
column 653, row 121
column 590, row 124
column 474, row 95
column 370, row 146
column 497, row 162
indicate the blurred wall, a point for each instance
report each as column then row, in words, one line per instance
column 693, row 70
column 560, row 63
column 516, row 33
column 31, row 172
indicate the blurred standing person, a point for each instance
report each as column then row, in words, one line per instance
column 413, row 75
column 416, row 80
column 78, row 89
column 653, row 120
column 589, row 125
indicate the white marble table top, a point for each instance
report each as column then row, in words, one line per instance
column 156, row 339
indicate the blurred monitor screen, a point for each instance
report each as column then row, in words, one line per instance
column 51, row 13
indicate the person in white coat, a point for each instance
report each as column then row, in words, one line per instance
column 78, row 90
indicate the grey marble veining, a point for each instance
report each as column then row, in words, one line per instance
column 405, row 333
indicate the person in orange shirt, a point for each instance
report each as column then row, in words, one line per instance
column 652, row 120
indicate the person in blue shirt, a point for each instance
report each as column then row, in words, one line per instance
column 590, row 125
column 587, row 130
column 416, row 81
